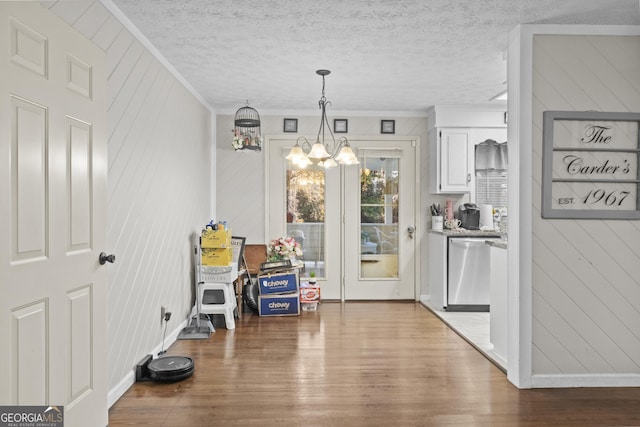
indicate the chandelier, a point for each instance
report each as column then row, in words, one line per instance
column 326, row 154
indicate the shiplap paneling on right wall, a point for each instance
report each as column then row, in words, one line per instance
column 586, row 273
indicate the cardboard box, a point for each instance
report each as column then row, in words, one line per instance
column 309, row 293
column 211, row 239
column 279, row 305
column 309, row 306
column 216, row 257
column 278, row 283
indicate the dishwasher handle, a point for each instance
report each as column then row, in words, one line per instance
column 469, row 241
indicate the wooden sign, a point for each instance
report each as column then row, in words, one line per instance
column 590, row 165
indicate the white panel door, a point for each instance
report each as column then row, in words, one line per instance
column 52, row 216
column 379, row 221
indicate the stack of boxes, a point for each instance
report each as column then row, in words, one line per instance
column 216, row 247
column 217, row 273
column 309, row 296
column 279, row 293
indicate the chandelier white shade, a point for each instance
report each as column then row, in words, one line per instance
column 346, row 156
column 318, row 152
column 298, row 157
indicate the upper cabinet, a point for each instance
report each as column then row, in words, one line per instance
column 454, row 165
column 453, row 134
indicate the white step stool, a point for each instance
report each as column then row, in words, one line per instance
column 227, row 307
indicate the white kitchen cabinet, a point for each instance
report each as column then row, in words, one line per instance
column 453, row 134
column 452, row 157
column 452, row 161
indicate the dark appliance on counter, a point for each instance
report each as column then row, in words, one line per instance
column 469, row 216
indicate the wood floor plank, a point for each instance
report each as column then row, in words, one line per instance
column 356, row 364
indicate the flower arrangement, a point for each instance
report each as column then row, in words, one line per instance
column 242, row 140
column 283, row 248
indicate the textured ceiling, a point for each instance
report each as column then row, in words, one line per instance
column 384, row 55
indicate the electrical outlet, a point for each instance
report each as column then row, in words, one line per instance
column 163, row 311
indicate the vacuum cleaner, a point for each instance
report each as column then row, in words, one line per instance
column 164, row 368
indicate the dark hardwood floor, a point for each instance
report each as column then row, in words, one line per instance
column 356, row 364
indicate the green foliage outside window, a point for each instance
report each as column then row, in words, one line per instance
column 305, row 195
column 371, row 197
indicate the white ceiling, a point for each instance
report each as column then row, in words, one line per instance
column 384, row 55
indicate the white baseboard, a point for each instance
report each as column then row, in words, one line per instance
column 425, row 300
column 128, row 380
column 501, row 361
column 121, row 388
column 592, row 380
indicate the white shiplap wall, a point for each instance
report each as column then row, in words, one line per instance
column 159, row 189
column 585, row 273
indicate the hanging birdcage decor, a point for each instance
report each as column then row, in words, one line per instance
column 246, row 133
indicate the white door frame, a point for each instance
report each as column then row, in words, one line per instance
column 417, row 223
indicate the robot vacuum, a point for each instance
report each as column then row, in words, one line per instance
column 165, row 369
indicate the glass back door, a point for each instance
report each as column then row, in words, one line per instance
column 353, row 222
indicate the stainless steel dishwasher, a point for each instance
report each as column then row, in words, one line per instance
column 468, row 285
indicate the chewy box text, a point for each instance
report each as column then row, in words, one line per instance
column 279, row 305
column 278, row 283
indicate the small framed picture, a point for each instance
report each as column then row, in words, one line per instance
column 290, row 125
column 340, row 125
column 387, row 126
column 237, row 250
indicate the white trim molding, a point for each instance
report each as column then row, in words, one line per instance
column 597, row 380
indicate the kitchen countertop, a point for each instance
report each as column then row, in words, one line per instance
column 461, row 232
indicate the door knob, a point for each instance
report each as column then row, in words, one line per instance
column 104, row 258
column 411, row 229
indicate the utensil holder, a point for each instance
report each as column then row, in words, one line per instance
column 437, row 223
